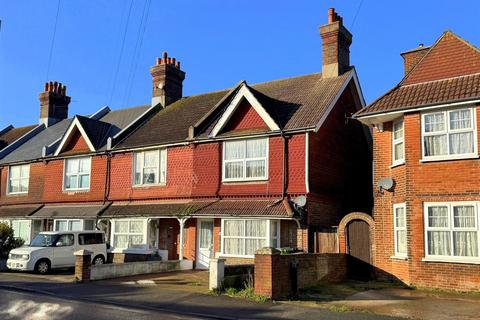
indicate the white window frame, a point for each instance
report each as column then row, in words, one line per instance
column 447, row 131
column 77, row 174
column 397, row 141
column 9, row 179
column 29, row 223
column 451, row 229
column 144, row 234
column 158, row 167
column 69, row 221
column 268, row 237
column 397, row 228
column 245, row 159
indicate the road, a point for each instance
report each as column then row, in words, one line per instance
column 17, row 305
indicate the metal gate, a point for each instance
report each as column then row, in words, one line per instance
column 358, row 246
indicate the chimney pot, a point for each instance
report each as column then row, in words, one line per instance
column 167, row 79
column 331, row 14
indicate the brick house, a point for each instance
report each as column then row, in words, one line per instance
column 216, row 174
column 426, row 142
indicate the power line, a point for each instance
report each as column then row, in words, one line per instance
column 121, row 53
column 53, row 41
column 356, row 14
column 137, row 51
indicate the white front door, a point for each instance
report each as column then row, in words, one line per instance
column 204, row 243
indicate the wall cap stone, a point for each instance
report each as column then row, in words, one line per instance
column 267, row 251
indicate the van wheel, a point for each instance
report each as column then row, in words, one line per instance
column 98, row 260
column 42, row 266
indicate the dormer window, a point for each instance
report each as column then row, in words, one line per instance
column 449, row 134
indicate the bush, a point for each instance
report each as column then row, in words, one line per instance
column 7, row 240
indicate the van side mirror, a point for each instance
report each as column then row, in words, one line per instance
column 59, row 244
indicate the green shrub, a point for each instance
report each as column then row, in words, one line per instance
column 7, row 240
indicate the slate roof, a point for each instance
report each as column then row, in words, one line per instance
column 294, row 103
column 207, row 208
column 13, row 134
column 449, row 72
column 115, row 119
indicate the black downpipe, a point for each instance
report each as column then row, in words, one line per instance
column 106, row 192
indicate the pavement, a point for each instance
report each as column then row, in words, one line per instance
column 175, row 295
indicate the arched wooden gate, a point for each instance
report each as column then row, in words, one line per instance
column 356, row 239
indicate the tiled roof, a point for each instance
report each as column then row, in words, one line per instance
column 32, row 149
column 70, row 210
column 449, row 72
column 220, row 208
column 17, row 211
column 13, row 134
column 294, row 103
column 427, row 93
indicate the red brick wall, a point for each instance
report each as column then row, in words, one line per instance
column 451, row 57
column 417, row 182
column 35, row 187
column 195, row 171
column 245, row 117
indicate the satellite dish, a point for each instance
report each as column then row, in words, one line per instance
column 300, row 201
column 385, row 184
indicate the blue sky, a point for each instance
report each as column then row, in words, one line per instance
column 218, row 42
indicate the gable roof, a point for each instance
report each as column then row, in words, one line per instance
column 448, row 73
column 10, row 134
column 294, row 103
column 51, row 137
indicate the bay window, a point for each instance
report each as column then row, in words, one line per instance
column 245, row 160
column 400, row 230
column 129, row 233
column 242, row 237
column 449, row 134
column 77, row 173
column 150, row 167
column 18, row 179
column 451, row 230
column 398, row 146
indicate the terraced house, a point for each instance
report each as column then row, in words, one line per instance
column 426, row 143
column 219, row 174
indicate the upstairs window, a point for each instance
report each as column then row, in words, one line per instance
column 449, row 134
column 150, row 167
column 18, row 179
column 77, row 173
column 398, row 146
column 245, row 160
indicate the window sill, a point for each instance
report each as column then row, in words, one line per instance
column 467, row 157
column 73, row 191
column 256, row 181
column 16, row 194
column 451, row 260
column 402, row 258
column 397, row 165
column 146, row 186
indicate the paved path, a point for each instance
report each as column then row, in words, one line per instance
column 183, row 304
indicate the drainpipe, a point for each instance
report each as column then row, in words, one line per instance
column 106, row 191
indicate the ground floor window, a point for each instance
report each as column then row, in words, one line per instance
column 22, row 229
column 400, row 230
column 242, row 237
column 129, row 233
column 74, row 225
column 451, row 230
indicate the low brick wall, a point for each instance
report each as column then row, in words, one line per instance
column 127, row 257
column 118, row 270
column 278, row 276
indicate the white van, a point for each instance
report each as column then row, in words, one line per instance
column 55, row 250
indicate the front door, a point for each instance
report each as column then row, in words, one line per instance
column 358, row 241
column 204, row 243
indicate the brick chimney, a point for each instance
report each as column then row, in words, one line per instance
column 53, row 103
column 336, row 41
column 411, row 57
column 167, row 81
